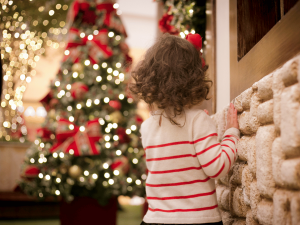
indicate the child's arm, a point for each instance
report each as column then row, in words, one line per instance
column 216, row 158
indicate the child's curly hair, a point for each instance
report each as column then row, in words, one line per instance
column 171, row 76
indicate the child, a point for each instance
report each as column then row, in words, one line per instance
column 183, row 155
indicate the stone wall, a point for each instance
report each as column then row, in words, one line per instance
column 263, row 187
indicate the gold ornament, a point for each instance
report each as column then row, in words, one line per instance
column 75, row 171
column 77, row 67
column 116, row 117
column 63, row 169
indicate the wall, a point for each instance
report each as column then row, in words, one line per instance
column 222, row 54
column 263, row 187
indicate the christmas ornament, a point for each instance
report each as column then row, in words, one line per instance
column 75, row 171
column 78, row 90
column 121, row 164
column 30, row 172
column 123, row 137
column 44, row 133
column 115, row 104
column 139, row 120
column 77, row 67
column 116, row 117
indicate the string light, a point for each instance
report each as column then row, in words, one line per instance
column 105, row 165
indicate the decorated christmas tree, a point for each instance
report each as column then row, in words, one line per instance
column 89, row 143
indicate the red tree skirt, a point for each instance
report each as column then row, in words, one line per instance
column 85, row 210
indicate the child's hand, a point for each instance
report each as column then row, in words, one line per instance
column 232, row 117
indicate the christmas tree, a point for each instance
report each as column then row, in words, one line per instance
column 89, row 143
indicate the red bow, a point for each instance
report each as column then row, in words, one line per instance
column 98, row 46
column 83, row 143
column 195, row 39
column 111, row 19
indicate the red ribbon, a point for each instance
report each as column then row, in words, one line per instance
column 83, row 143
column 196, row 40
column 98, row 46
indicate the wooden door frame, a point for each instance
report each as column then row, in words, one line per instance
column 210, row 54
column 279, row 45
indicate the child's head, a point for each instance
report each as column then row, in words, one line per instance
column 171, row 75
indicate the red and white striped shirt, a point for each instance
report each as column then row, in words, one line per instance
column 182, row 163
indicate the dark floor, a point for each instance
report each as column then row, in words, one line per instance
column 131, row 215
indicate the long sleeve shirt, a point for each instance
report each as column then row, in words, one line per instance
column 182, row 164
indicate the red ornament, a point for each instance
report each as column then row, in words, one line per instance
column 165, row 25
column 44, row 133
column 115, row 104
column 120, row 164
column 123, row 137
column 31, row 172
column 46, row 100
column 78, row 90
column 138, row 119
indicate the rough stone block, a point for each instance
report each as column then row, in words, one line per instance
column 281, row 203
column 290, row 173
column 220, row 120
column 246, row 181
column 290, row 71
column 254, row 198
column 264, row 88
column 242, row 102
column 278, row 87
column 265, row 212
column 248, row 124
column 255, row 101
column 219, row 192
column 298, row 122
column 237, row 171
column 265, row 112
column 249, row 219
column 242, row 148
column 290, row 104
column 295, row 209
column 265, row 181
column 225, row 180
column 226, row 217
column 239, row 207
column 239, row 222
column 225, row 199
column 251, row 155
column 277, row 158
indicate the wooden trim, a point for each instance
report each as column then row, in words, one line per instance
column 279, row 45
column 234, row 79
column 210, row 54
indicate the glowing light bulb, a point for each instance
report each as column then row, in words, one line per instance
column 118, row 152
column 105, row 165
column 133, row 127
column 128, row 131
